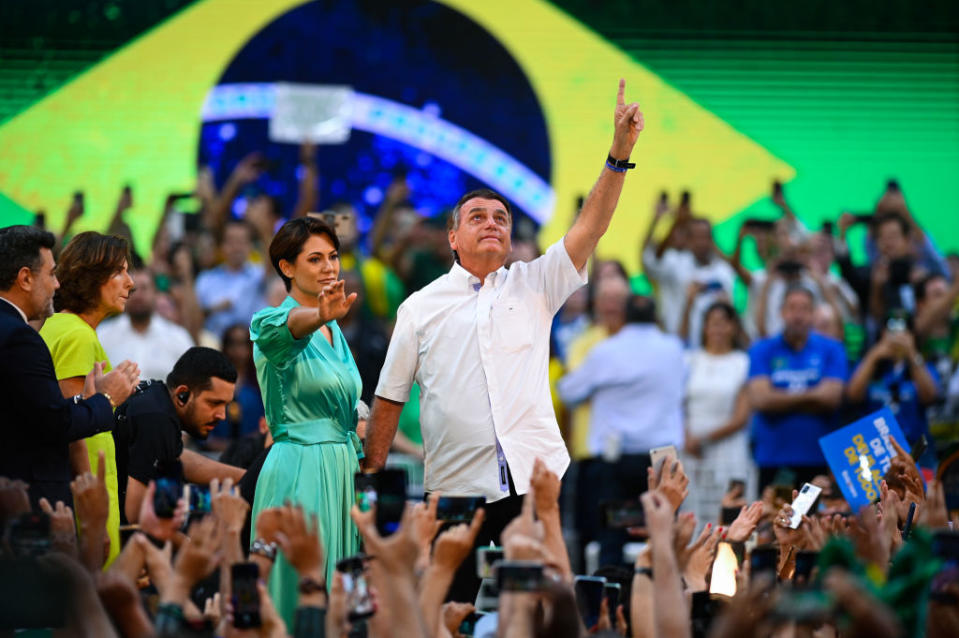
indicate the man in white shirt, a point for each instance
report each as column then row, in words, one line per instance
column 673, row 270
column 141, row 335
column 477, row 342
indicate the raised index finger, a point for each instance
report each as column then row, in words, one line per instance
column 527, row 505
column 622, row 90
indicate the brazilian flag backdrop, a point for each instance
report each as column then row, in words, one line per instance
column 831, row 100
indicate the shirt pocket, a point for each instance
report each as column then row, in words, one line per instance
column 512, row 325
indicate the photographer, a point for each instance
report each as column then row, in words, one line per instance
column 893, row 374
column 194, row 400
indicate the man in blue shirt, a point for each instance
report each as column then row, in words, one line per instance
column 795, row 388
column 894, row 374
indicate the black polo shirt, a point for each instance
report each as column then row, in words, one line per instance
column 147, row 436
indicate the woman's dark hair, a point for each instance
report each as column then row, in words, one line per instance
column 740, row 341
column 288, row 242
column 85, row 265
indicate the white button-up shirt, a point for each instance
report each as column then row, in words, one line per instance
column 480, row 354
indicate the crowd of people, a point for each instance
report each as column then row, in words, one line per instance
column 138, row 497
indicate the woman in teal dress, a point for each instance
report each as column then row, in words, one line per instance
column 310, row 388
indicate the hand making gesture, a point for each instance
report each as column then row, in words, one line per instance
column 334, row 302
column 628, row 121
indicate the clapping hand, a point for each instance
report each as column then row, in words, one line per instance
column 334, row 302
column 119, row 383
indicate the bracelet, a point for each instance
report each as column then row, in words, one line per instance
column 614, row 168
column 110, row 399
column 264, row 549
column 644, row 571
column 311, row 586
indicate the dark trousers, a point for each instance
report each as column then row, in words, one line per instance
column 624, row 479
column 498, row 515
column 802, row 474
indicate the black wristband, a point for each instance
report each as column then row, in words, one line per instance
column 620, row 164
column 644, row 571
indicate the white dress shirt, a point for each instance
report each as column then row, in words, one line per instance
column 480, row 354
column 634, row 381
column 155, row 351
column 673, row 273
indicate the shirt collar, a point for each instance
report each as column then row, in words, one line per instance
column 22, row 313
column 463, row 278
column 786, row 345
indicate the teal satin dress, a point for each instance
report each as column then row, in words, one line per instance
column 310, row 391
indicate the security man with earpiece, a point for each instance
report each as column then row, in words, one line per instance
column 148, row 434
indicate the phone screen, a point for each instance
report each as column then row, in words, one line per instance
column 805, row 562
column 168, row 492
column 359, row 600
column 589, row 598
column 804, row 501
column 487, row 598
column 468, row 626
column 612, row 593
column 386, row 490
column 458, row 509
column 919, row 448
column 30, row 534
column 519, row 576
column 725, row 566
column 486, row 557
column 728, row 515
column 246, row 598
column 622, row 514
column 763, row 559
column 199, row 501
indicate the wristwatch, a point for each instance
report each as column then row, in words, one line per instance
column 620, row 166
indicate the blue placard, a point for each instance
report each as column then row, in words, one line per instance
column 860, row 454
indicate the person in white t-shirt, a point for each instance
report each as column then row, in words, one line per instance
column 674, row 270
column 476, row 340
column 139, row 334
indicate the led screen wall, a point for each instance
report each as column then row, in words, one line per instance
column 528, row 88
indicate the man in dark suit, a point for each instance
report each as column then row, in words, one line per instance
column 36, row 422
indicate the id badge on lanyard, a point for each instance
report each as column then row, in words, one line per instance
column 502, row 468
